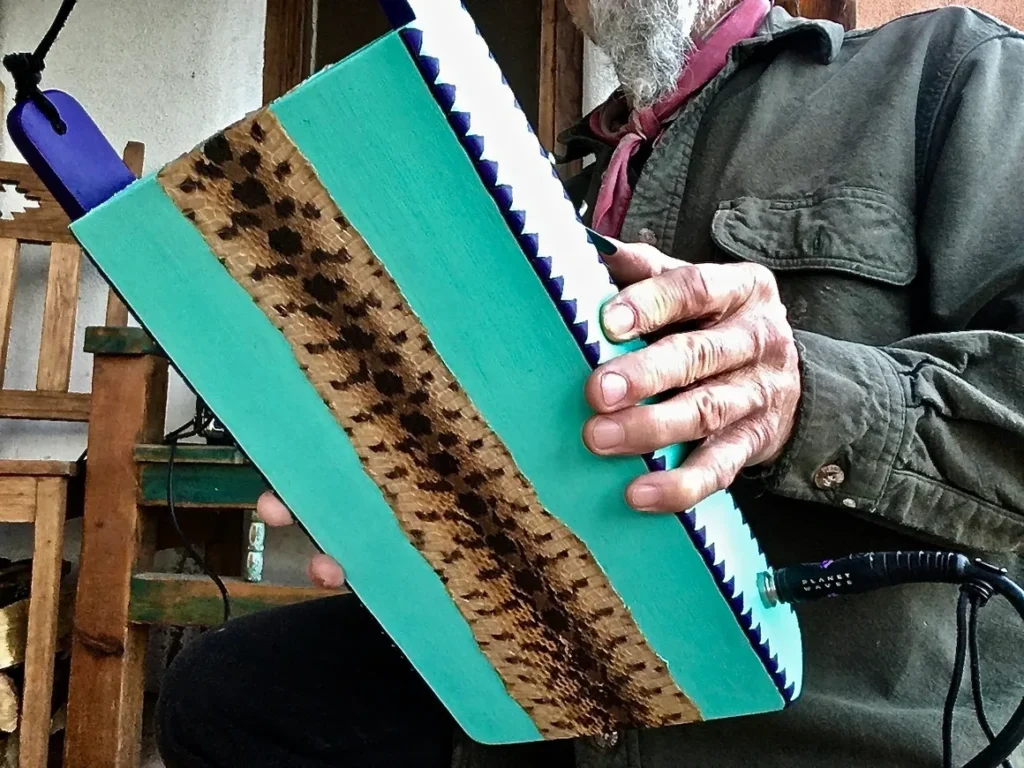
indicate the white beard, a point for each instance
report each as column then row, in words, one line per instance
column 648, row 41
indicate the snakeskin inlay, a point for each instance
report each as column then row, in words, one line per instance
column 565, row 646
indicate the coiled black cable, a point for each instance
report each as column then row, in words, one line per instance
column 978, row 582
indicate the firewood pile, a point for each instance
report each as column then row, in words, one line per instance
column 15, row 580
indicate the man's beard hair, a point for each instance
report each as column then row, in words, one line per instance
column 648, row 41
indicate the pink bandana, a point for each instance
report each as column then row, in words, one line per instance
column 644, row 126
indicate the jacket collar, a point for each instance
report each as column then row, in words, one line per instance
column 822, row 38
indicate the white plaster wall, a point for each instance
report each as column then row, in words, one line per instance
column 598, row 77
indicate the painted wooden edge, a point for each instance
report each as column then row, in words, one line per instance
column 117, row 314
column 211, row 486
column 120, row 341
column 44, row 406
column 194, row 601
column 759, row 622
column 190, row 453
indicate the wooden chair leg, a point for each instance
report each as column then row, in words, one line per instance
column 105, row 690
column 41, row 646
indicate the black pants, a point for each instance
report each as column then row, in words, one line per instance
column 314, row 684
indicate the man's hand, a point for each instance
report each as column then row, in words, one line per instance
column 736, row 377
column 323, row 571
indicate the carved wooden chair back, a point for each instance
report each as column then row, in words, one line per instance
column 45, row 223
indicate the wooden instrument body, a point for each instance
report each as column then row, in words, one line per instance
column 438, row 217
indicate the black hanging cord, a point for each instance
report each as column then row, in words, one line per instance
column 959, row 657
column 27, row 70
column 978, row 600
column 189, row 429
column 978, row 582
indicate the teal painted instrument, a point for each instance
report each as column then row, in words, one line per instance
column 380, row 287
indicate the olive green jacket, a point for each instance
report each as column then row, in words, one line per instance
column 878, row 174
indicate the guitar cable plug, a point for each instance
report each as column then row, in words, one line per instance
column 978, row 582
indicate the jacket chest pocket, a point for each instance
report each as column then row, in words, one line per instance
column 844, row 258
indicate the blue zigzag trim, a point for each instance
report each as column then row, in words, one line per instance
column 461, row 123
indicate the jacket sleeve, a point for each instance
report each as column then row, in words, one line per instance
column 929, row 432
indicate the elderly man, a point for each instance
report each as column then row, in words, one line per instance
column 825, row 231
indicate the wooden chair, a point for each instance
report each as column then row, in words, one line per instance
column 126, row 522
column 37, row 492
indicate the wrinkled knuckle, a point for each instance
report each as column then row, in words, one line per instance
column 763, row 393
column 709, row 413
column 761, row 339
column 784, row 351
column 668, row 358
column 700, row 355
column 651, row 303
column 695, row 283
column 659, row 432
column 763, row 285
column 781, row 343
column 720, row 475
column 791, row 354
column 759, row 434
column 650, row 377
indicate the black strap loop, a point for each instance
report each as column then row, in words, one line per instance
column 27, row 70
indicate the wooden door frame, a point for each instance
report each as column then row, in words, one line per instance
column 287, row 46
column 288, row 60
column 561, row 72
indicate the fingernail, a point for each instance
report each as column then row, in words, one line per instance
column 619, row 319
column 613, row 388
column 645, row 496
column 606, row 433
column 604, row 246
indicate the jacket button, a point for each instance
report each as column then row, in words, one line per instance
column 607, row 740
column 647, row 236
column 829, row 476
